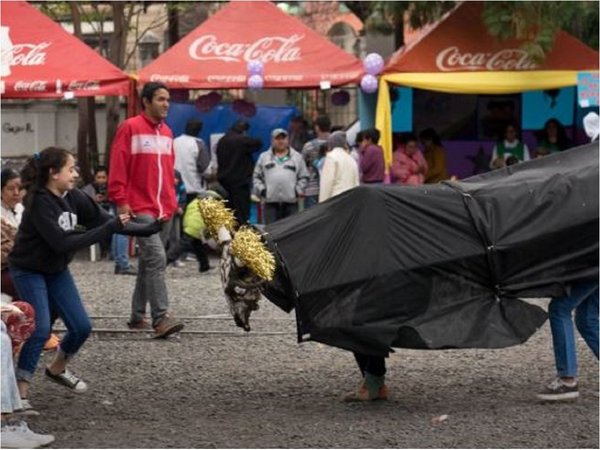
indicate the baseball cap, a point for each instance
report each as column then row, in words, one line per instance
column 278, row 131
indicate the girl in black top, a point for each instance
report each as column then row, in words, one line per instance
column 58, row 220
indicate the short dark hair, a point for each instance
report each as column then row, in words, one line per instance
column 149, row 89
column 407, row 137
column 360, row 136
column 193, row 127
column 100, row 168
column 240, row 126
column 372, row 134
column 430, row 135
column 324, row 123
column 8, row 174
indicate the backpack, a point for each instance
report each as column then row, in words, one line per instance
column 203, row 160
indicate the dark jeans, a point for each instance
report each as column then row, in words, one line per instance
column 189, row 244
column 46, row 293
column 239, row 201
column 7, row 285
column 375, row 365
column 310, row 201
column 275, row 211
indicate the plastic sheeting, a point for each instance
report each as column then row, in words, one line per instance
column 440, row 266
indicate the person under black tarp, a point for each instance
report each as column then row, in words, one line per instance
column 373, row 385
column 235, row 166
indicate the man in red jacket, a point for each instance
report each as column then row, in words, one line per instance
column 141, row 183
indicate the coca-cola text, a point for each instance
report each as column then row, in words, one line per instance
column 30, row 86
column 451, row 59
column 266, row 49
column 26, row 54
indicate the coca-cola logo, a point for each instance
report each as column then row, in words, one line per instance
column 266, row 49
column 90, row 85
column 26, row 54
column 451, row 60
column 30, row 86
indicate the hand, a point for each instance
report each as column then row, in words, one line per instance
column 124, row 218
column 125, row 209
column 498, row 163
column 10, row 308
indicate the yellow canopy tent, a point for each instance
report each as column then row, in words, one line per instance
column 456, row 55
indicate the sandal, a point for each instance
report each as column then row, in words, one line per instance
column 66, row 378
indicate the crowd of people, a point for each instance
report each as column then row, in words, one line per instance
column 151, row 191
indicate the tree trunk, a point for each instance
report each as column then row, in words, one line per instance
column 92, row 132
column 116, row 54
column 173, row 29
column 83, row 158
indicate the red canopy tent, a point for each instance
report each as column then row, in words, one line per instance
column 215, row 54
column 42, row 60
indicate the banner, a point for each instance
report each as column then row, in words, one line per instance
column 587, row 89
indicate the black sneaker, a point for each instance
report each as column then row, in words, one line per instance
column 68, row 379
column 126, row 271
column 557, row 390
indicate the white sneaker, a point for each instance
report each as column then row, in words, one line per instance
column 178, row 263
column 26, row 409
column 20, row 436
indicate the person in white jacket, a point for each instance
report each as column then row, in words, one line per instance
column 340, row 171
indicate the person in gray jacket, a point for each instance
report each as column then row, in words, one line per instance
column 280, row 177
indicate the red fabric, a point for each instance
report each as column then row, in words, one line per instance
column 19, row 327
column 215, row 55
column 460, row 43
column 142, row 164
column 46, row 60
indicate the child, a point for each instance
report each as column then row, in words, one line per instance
column 58, row 220
column 174, row 238
column 194, row 234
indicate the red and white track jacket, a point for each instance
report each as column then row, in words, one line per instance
column 142, row 167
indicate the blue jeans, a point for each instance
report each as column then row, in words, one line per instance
column 584, row 300
column 56, row 292
column 119, row 249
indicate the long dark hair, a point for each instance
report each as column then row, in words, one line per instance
column 37, row 170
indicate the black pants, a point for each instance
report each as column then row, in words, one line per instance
column 239, row 201
column 375, row 365
column 189, row 244
column 275, row 211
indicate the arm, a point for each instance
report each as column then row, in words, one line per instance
column 496, row 163
column 258, row 178
column 367, row 161
column 46, row 222
column 302, row 177
column 252, row 144
column 526, row 155
column 327, row 177
column 120, row 156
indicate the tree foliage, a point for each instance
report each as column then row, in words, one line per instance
column 536, row 23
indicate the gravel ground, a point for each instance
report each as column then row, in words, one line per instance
column 227, row 389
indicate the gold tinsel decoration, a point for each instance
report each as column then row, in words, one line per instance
column 215, row 215
column 250, row 249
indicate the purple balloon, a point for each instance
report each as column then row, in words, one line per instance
column 368, row 84
column 373, row 63
column 255, row 67
column 255, row 82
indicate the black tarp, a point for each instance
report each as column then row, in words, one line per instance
column 439, row 266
